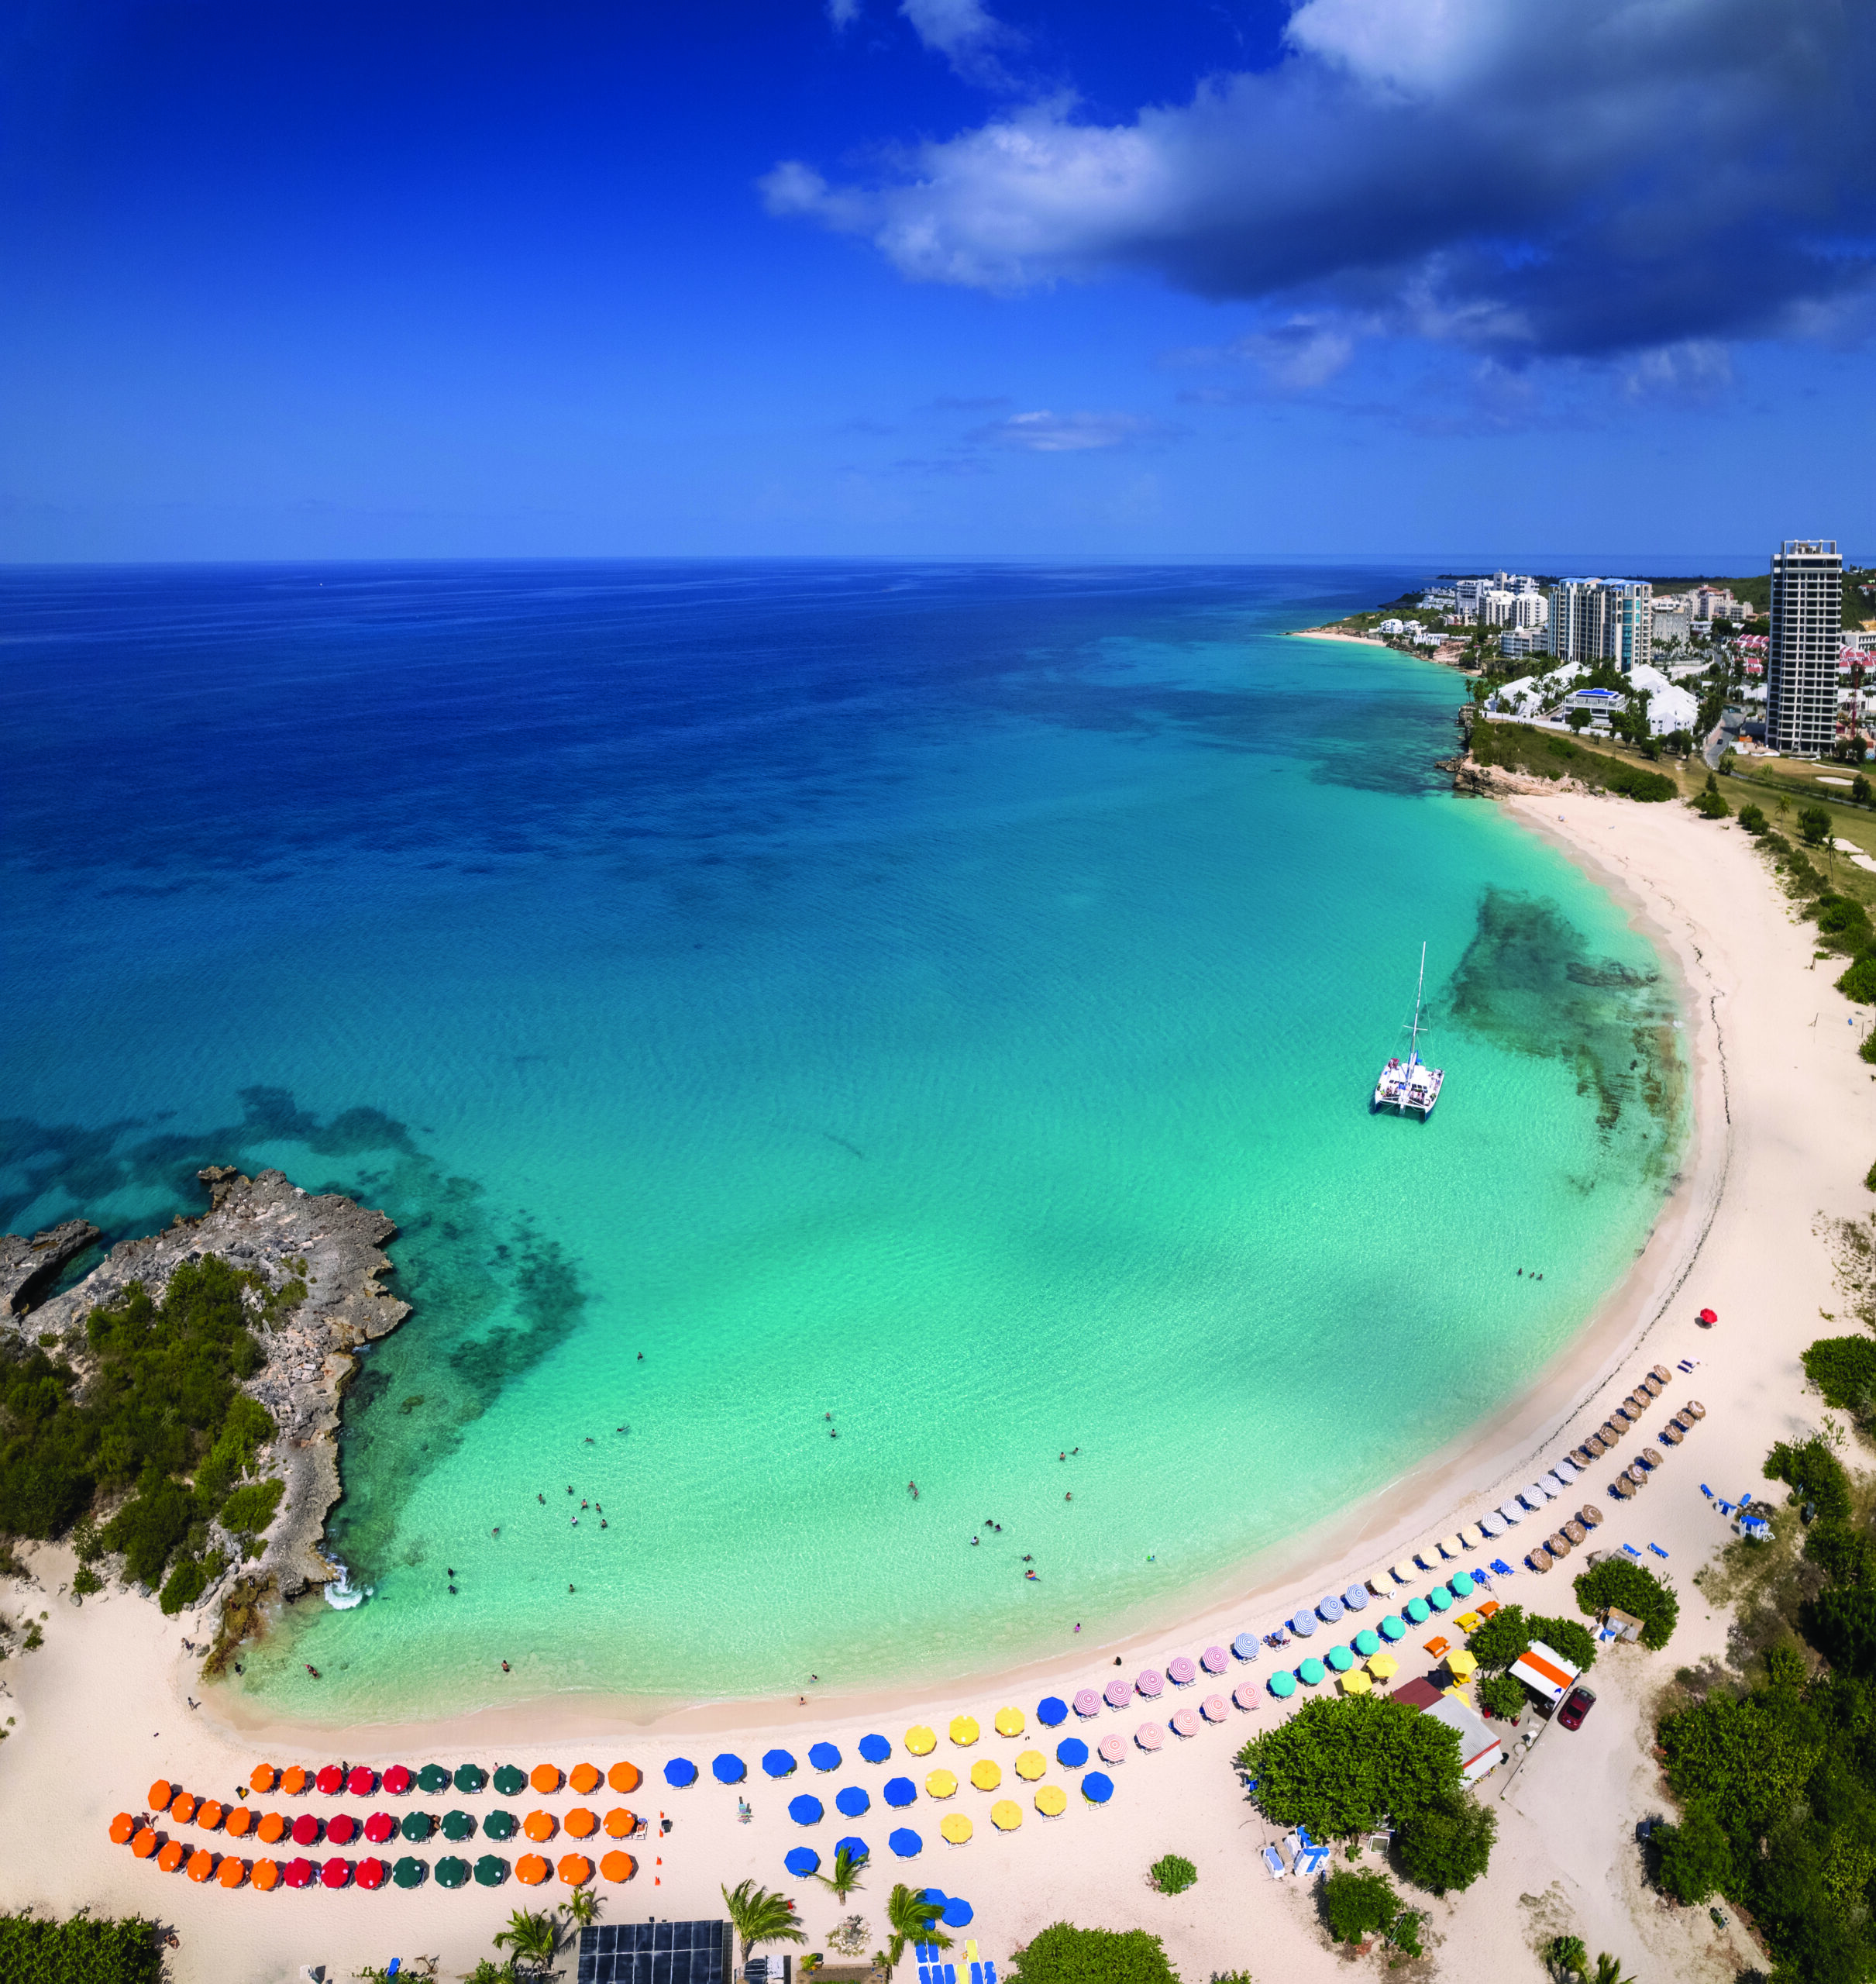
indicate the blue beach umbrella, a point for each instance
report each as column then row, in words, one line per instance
column 823, row 1756
column 899, row 1791
column 728, row 1769
column 853, row 1846
column 1462, row 1584
column 1341, row 1659
column 937, row 1898
column 1303, row 1624
column 1097, row 1787
column 875, row 1749
column 1393, row 1627
column 805, row 1810
column 1329, row 1609
column 1310, row 1673
column 1418, row 1610
column 1244, row 1646
column 851, row 1802
column 1071, row 1753
column 958, row 1913
column 906, row 1843
column 1439, row 1599
column 1367, row 1641
column 778, row 1763
column 1282, row 1684
column 1051, row 1711
column 679, row 1772
column 1355, row 1598
column 801, row 1861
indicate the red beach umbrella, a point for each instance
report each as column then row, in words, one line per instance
column 299, row 1873
column 361, row 1782
column 1707, row 1319
column 335, row 1873
column 379, row 1828
column 397, row 1780
column 341, row 1829
column 331, row 1780
column 371, row 1874
column 305, row 1830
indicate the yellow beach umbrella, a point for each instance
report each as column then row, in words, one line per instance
column 1031, row 1765
column 1051, row 1801
column 964, row 1731
column 985, row 1775
column 1008, row 1722
column 1355, row 1683
column 1006, row 1815
column 940, row 1784
column 1383, row 1665
column 1461, row 1665
column 920, row 1741
column 956, row 1829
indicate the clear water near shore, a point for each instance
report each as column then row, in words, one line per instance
column 943, row 998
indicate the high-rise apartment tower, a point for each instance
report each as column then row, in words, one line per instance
column 1801, row 660
column 1593, row 620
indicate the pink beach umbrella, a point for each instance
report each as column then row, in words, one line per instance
column 1185, row 1722
column 1087, row 1702
column 1212, row 1708
column 1113, row 1749
column 1119, row 1694
column 1149, row 1736
column 1214, row 1660
column 1244, row 1694
column 1150, row 1683
column 1180, row 1672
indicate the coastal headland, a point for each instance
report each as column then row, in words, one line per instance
column 1785, row 1120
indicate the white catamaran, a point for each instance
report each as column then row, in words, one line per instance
column 1410, row 1087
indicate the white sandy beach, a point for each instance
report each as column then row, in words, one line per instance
column 1786, row 1125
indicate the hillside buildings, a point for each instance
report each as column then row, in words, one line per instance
column 1593, row 620
column 1801, row 658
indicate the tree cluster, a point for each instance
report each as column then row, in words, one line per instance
column 1630, row 1587
column 1064, row 1954
column 81, row 1950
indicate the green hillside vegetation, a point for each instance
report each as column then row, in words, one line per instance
column 160, row 1420
column 36, row 1950
column 1520, row 747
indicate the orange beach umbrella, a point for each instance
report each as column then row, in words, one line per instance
column 619, row 1866
column 262, row 1778
column 623, row 1777
column 143, row 1843
column 123, row 1828
column 160, row 1793
column 201, row 1865
column 582, row 1822
column 545, row 1778
column 231, row 1872
column 575, row 1869
column 267, row 1876
column 171, row 1855
column 621, row 1824
column 539, row 1826
column 531, row 1870
column 584, row 1778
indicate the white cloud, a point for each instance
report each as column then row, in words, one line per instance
column 1046, row 433
column 1519, row 177
column 843, row 13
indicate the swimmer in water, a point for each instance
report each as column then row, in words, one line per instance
column 504, row 1667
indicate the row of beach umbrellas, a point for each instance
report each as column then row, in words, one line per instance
column 398, row 1781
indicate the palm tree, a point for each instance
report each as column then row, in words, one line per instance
column 1569, row 1958
column 533, row 1939
column 912, row 1919
column 581, row 1907
column 846, row 1875
column 1609, row 1970
column 759, row 1916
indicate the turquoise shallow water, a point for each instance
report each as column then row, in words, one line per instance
column 946, row 1000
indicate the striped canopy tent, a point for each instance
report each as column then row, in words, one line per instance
column 905, row 1842
column 825, row 1756
column 1340, row 1658
column 1310, row 1673
column 1071, row 1753
column 1030, row 1765
column 874, row 1749
column 1393, row 1628
column 801, row 1861
column 920, row 1740
column 778, row 1763
column 1097, row 1787
column 509, row 1782
column 1051, row 1801
column 899, row 1791
column 1051, row 1711
column 806, row 1810
column 1244, row 1646
column 1283, row 1684
column 491, row 1871
column 1367, row 1641
column 1357, row 1682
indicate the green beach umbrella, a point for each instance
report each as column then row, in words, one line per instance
column 491, row 1871
column 416, row 1825
column 452, row 1872
column 1463, row 1586
column 1310, row 1673
column 1366, row 1642
column 1393, row 1628
column 433, row 1777
column 1283, row 1684
column 1341, row 1659
column 1439, row 1599
column 470, row 1778
column 1417, row 1611
column 499, row 1824
column 510, row 1781
column 458, row 1825
column 408, row 1873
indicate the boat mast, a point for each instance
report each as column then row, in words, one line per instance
column 1413, row 1044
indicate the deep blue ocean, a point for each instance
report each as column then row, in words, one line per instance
column 945, row 998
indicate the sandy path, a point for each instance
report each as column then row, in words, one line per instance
column 1787, row 1118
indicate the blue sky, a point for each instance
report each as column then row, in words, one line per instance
column 1519, row 277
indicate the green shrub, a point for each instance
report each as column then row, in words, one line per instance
column 79, row 1951
column 1501, row 1639
column 1569, row 1637
column 1711, row 804
column 249, row 1510
column 86, row 1583
column 1696, row 1857
column 1814, row 1474
column 1064, row 1954
column 1841, row 1624
column 1342, row 1765
column 1502, row 1696
column 191, row 1578
column 1520, row 747
column 1845, row 1555
column 1171, row 1874
column 1753, row 818
column 1356, row 1905
column 1620, row 1583
column 1447, row 1844
column 1843, row 1368
column 1814, row 825
column 1859, row 983
column 1842, row 921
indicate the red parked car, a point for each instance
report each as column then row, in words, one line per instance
column 1581, row 1702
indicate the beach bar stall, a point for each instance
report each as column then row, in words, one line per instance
column 1545, row 1672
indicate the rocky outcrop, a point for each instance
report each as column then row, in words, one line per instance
column 316, row 1262
column 1495, row 782
column 29, row 1267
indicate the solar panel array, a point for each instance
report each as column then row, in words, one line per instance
column 656, row 1953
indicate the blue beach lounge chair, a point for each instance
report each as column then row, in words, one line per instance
column 1500, row 1568
column 1629, row 1550
column 1656, row 1548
